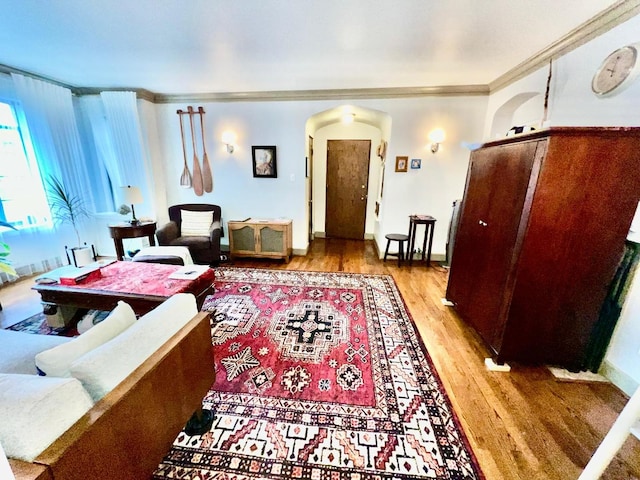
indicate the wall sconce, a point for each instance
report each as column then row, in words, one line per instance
column 229, row 138
column 436, row 137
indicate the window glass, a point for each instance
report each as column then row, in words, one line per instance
column 22, row 198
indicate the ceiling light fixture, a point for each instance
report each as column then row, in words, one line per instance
column 348, row 118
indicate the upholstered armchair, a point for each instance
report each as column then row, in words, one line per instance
column 197, row 226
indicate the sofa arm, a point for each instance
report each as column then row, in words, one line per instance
column 167, row 233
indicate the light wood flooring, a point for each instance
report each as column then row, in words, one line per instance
column 521, row 425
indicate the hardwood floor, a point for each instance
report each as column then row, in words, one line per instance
column 521, row 425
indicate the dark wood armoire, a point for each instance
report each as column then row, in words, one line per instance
column 542, row 229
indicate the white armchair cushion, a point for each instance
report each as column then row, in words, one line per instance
column 57, row 360
column 105, row 367
column 195, row 224
column 18, row 350
column 35, row 411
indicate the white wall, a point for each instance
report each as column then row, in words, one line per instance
column 432, row 189
column 429, row 190
column 571, row 103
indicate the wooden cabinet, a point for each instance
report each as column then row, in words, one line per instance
column 253, row 237
column 542, row 228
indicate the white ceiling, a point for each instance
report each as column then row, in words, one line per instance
column 206, row 46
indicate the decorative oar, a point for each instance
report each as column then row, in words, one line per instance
column 207, row 177
column 197, row 173
column 185, row 178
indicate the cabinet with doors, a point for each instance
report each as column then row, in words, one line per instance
column 542, row 228
column 267, row 238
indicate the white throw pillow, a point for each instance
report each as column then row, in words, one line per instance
column 57, row 360
column 195, row 224
column 105, row 367
column 35, row 411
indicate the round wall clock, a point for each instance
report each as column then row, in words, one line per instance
column 617, row 71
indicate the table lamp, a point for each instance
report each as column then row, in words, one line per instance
column 132, row 196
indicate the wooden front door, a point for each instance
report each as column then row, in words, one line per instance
column 347, row 187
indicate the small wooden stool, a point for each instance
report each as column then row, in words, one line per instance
column 396, row 237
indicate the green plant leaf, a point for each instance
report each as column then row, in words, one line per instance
column 8, row 269
column 65, row 207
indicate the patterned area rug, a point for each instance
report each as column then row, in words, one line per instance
column 319, row 376
column 38, row 324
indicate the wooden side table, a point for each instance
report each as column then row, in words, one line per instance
column 430, row 223
column 126, row 230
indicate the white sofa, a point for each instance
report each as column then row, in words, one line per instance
column 91, row 387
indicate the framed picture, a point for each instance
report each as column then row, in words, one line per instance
column 416, row 163
column 264, row 162
column 401, row 164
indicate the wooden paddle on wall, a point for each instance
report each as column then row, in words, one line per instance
column 185, row 178
column 207, row 177
column 197, row 173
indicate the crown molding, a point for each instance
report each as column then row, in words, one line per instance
column 141, row 93
column 9, row 70
column 334, row 94
column 613, row 16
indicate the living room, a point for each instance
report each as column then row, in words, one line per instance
column 469, row 115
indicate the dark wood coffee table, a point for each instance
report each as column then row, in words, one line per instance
column 144, row 286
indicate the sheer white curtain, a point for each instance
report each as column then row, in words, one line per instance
column 50, row 117
column 130, row 162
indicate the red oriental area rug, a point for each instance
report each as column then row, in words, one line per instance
column 320, row 376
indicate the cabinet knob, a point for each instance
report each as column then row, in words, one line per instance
column 480, row 222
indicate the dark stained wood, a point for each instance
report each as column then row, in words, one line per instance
column 487, row 233
column 521, row 425
column 542, row 229
column 347, row 186
column 126, row 230
column 106, row 300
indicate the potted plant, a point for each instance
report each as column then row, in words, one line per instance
column 5, row 250
column 70, row 209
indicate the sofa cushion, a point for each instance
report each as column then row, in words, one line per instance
column 57, row 360
column 19, row 350
column 106, row 366
column 195, row 224
column 37, row 410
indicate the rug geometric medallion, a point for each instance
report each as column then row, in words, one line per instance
column 319, row 376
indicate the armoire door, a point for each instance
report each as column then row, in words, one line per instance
column 483, row 255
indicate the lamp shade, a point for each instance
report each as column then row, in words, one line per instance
column 131, row 195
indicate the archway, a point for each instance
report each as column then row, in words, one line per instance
column 344, row 122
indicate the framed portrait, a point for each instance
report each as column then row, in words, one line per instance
column 264, row 161
column 401, row 164
column 416, row 163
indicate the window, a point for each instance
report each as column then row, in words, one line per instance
column 23, row 201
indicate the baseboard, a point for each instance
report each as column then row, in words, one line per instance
column 300, row 251
column 620, row 379
column 367, row 236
